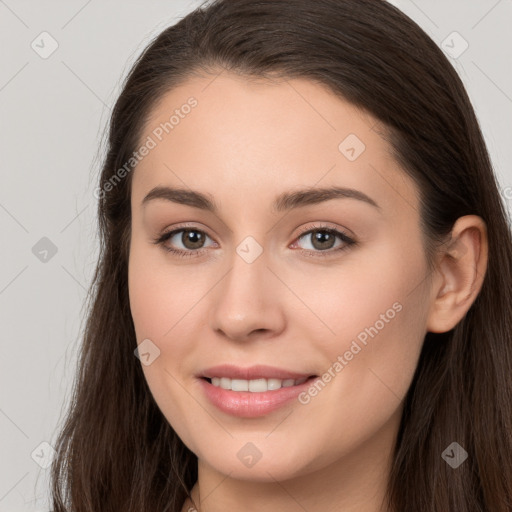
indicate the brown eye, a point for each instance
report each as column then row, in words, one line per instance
column 183, row 242
column 192, row 238
column 324, row 239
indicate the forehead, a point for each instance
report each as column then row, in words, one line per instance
column 227, row 134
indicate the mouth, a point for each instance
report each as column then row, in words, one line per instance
column 255, row 397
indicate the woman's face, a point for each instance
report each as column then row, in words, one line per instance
column 261, row 282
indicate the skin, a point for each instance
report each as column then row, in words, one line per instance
column 246, row 142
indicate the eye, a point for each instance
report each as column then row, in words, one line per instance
column 323, row 240
column 191, row 239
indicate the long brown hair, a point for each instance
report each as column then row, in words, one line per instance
column 115, row 450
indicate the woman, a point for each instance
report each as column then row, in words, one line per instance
column 303, row 244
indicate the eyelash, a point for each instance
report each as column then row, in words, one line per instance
column 348, row 242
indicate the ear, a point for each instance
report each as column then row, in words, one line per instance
column 460, row 273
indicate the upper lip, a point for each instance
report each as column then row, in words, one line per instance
column 252, row 372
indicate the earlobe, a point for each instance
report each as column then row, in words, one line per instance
column 461, row 270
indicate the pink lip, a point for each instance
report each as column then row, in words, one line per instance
column 252, row 372
column 246, row 404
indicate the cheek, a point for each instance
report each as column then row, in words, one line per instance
column 370, row 323
column 160, row 294
column 158, row 308
column 349, row 297
column 159, row 302
column 371, row 334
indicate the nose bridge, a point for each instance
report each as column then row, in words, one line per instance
column 244, row 300
column 248, row 275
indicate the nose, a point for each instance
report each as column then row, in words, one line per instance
column 248, row 301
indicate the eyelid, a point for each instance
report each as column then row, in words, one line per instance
column 185, row 226
column 318, row 225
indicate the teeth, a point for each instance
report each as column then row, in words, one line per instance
column 256, row 385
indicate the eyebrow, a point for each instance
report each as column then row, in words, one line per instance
column 283, row 202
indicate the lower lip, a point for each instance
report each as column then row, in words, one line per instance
column 246, row 404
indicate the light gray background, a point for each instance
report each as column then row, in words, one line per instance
column 52, row 115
